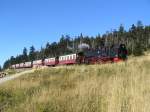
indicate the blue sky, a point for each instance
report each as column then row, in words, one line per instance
column 34, row 22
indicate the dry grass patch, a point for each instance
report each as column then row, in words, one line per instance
column 121, row 87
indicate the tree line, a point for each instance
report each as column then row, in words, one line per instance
column 136, row 39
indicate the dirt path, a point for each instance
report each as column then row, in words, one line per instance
column 7, row 78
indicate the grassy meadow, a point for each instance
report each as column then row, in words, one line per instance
column 121, row 87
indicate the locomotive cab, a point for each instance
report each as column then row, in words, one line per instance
column 122, row 52
column 80, row 57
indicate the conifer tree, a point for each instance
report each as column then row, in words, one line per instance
column 25, row 55
column 138, row 50
column 0, row 68
column 32, row 54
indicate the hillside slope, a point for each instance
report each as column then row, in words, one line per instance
column 122, row 87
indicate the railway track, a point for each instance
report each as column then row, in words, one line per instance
column 8, row 78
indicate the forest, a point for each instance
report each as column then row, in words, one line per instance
column 136, row 39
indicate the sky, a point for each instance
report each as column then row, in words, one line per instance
column 35, row 22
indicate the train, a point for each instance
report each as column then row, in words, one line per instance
column 87, row 56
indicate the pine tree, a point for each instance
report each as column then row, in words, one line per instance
column 47, row 50
column 12, row 60
column 138, row 50
column 6, row 64
column 0, row 68
column 32, row 54
column 25, row 55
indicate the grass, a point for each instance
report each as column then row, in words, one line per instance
column 121, row 87
column 10, row 71
column 14, row 71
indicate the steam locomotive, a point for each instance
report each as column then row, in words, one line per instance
column 102, row 55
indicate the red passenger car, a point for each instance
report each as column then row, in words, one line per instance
column 67, row 59
column 28, row 65
column 51, row 61
column 21, row 65
column 37, row 63
column 17, row 66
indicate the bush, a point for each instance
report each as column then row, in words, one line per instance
column 138, row 50
column 11, row 71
